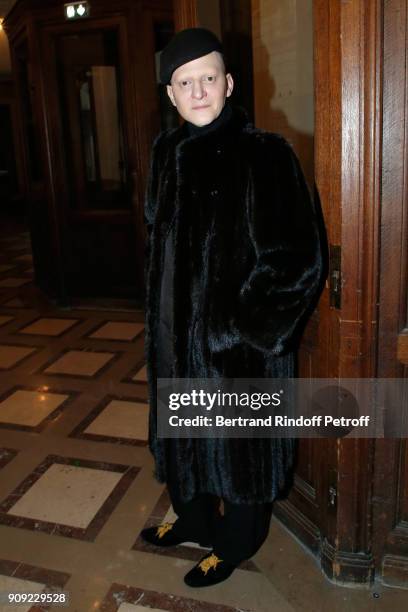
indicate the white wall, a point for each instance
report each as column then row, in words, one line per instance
column 283, row 72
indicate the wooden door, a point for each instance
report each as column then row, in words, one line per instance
column 44, row 228
column 90, row 111
column 390, row 497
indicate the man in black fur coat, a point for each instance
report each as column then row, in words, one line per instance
column 233, row 270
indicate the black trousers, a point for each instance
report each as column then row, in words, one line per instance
column 234, row 536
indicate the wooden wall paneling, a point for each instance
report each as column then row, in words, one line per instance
column 402, row 347
column 185, row 14
column 390, row 500
column 327, row 156
column 8, row 96
column 394, row 216
column 141, row 103
column 390, row 512
column 327, row 139
column 360, row 128
column 55, row 183
column 147, row 101
column 49, row 212
column 22, row 162
column 141, row 141
column 359, row 121
column 21, row 28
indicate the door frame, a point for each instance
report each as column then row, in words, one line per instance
column 69, row 218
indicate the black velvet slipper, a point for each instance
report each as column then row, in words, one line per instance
column 163, row 535
column 208, row 571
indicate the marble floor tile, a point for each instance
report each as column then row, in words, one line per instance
column 9, row 584
column 29, row 407
column 11, row 355
column 81, row 363
column 48, row 326
column 67, row 495
column 118, row 330
column 6, row 455
column 141, row 375
column 133, row 598
column 122, row 419
column 128, row 607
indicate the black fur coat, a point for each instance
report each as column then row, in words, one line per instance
column 247, row 272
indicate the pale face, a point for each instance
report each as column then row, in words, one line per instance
column 199, row 89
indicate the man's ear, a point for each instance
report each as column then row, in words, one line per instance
column 230, row 84
column 171, row 95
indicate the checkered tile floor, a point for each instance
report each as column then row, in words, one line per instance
column 76, row 484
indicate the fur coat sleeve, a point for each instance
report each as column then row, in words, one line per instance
column 280, row 289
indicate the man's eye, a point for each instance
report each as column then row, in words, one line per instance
column 210, row 78
column 185, row 83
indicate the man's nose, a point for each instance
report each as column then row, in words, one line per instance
column 198, row 90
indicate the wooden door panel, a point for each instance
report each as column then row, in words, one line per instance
column 402, row 347
column 390, row 499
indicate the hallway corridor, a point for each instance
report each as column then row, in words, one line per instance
column 76, row 484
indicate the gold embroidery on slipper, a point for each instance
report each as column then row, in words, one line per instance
column 209, row 562
column 162, row 529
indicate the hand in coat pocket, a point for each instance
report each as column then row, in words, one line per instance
column 222, row 337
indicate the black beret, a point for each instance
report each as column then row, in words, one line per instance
column 185, row 46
